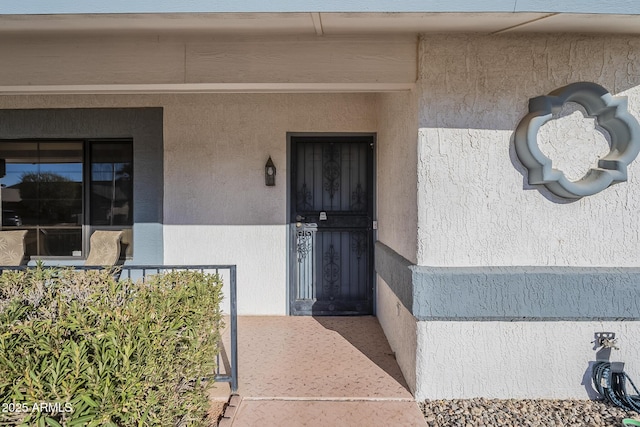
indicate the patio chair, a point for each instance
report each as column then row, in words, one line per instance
column 12, row 247
column 104, row 248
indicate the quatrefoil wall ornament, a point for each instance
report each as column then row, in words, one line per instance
column 609, row 112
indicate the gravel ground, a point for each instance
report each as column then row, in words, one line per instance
column 522, row 413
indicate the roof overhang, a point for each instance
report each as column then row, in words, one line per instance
column 157, row 46
column 54, row 7
column 317, row 23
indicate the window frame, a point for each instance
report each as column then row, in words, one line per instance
column 90, row 228
column 87, row 228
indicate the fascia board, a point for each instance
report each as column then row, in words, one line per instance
column 52, row 7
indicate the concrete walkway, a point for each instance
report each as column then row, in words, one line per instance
column 318, row 371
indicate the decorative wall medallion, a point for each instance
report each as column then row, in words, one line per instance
column 610, row 113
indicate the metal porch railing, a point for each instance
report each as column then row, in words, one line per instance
column 135, row 272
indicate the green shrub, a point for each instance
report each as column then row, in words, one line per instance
column 99, row 351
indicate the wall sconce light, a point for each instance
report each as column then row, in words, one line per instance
column 269, row 173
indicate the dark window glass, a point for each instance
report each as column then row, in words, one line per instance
column 111, row 184
column 111, row 188
column 43, row 192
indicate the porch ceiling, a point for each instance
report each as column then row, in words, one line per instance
column 317, row 23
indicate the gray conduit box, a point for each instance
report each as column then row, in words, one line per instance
column 610, row 113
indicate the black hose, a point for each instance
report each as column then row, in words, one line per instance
column 612, row 385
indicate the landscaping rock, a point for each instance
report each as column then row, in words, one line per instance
column 519, row 413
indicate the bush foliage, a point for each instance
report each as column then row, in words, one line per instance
column 99, row 351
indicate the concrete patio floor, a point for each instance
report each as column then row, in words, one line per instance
column 318, row 371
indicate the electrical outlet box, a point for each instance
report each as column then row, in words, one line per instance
column 601, row 336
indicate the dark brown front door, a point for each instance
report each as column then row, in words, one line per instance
column 332, row 219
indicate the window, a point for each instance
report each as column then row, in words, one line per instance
column 60, row 191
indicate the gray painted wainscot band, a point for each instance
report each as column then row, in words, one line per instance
column 396, row 271
column 511, row 293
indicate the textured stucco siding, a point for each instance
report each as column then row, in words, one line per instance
column 400, row 328
column 516, row 359
column 216, row 204
column 397, row 206
column 217, row 209
column 397, row 215
column 474, row 203
column 259, row 252
column 476, row 209
column 216, row 147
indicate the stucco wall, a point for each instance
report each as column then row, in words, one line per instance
column 397, row 163
column 396, row 168
column 475, row 206
column 516, row 360
column 216, row 207
column 400, row 328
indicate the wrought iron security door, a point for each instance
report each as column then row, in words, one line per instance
column 332, row 218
